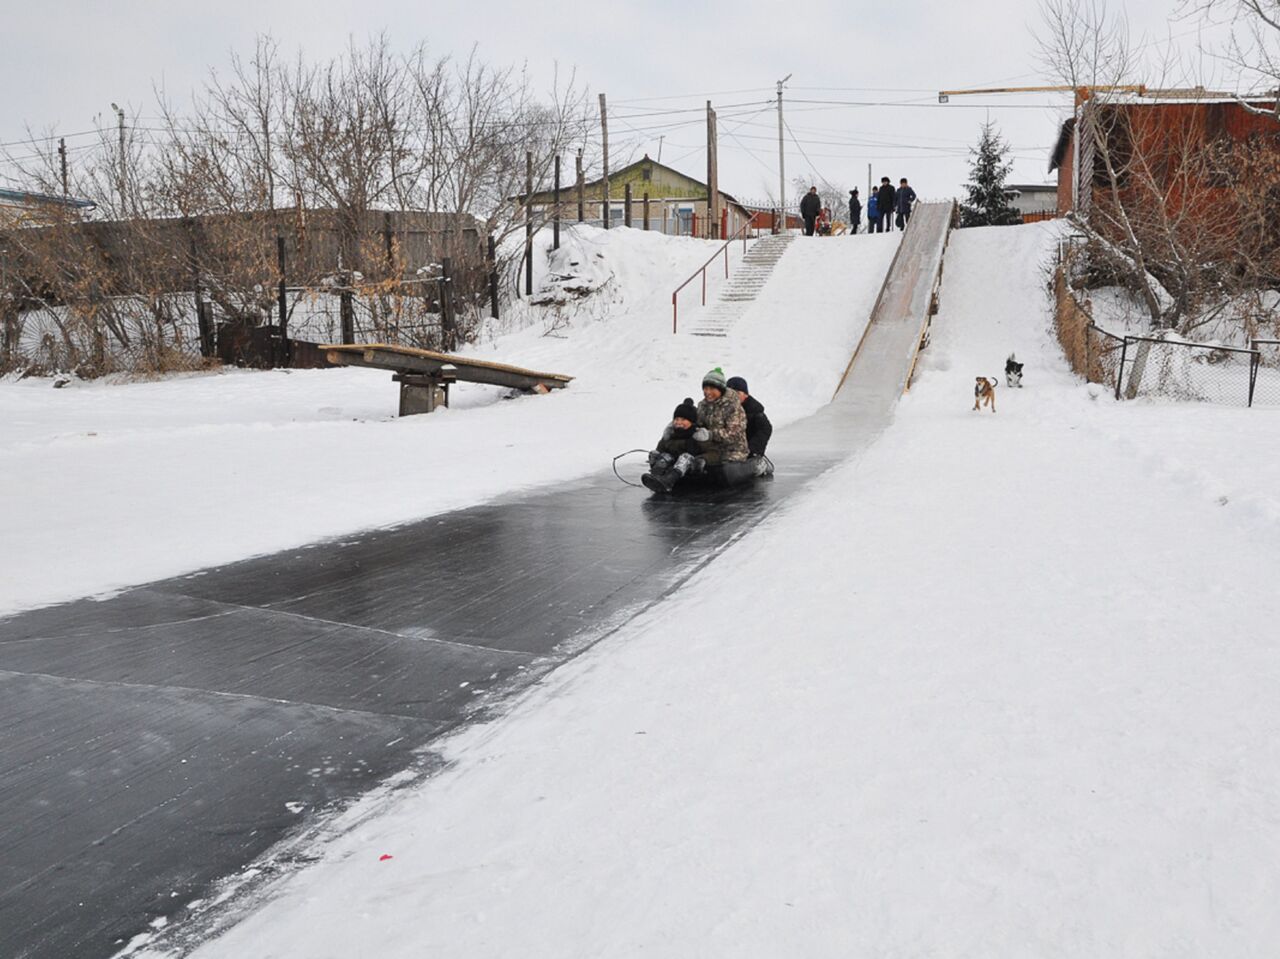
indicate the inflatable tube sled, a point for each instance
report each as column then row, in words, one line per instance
column 722, row 476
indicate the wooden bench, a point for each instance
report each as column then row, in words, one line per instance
column 425, row 376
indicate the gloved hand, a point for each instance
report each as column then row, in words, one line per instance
column 701, row 434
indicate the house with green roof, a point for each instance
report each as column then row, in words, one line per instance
column 677, row 202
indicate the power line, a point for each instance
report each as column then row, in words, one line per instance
column 687, row 96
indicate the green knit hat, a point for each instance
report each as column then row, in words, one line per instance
column 715, row 378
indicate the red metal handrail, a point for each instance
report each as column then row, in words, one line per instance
column 742, row 230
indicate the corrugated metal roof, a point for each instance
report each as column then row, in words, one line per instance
column 26, row 196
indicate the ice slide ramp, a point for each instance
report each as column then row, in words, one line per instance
column 882, row 364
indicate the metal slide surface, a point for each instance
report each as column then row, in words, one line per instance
column 169, row 736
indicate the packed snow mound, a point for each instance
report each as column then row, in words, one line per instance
column 573, row 272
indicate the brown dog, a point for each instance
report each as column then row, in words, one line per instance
column 984, row 392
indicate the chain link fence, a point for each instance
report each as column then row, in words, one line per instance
column 1161, row 365
column 1191, row 372
column 1266, row 372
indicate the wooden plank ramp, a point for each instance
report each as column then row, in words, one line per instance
column 425, row 376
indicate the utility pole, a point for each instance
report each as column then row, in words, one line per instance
column 604, row 141
column 782, row 165
column 868, row 181
column 120, row 124
column 62, row 160
column 713, row 177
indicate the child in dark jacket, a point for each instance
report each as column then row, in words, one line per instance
column 677, row 438
column 759, row 429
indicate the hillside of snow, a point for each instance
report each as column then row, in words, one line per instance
column 999, row 686
column 111, row 485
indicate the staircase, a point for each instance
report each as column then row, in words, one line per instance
column 743, row 286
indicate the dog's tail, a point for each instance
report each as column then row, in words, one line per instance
column 994, row 384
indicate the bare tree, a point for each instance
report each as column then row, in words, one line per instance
column 337, row 148
column 1252, row 50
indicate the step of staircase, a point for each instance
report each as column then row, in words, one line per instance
column 743, row 287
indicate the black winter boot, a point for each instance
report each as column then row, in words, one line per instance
column 659, row 482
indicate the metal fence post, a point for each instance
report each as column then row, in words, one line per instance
column 1120, row 369
column 1255, row 360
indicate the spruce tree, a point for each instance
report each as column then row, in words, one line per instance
column 987, row 204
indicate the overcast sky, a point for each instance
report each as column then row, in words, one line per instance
column 65, row 62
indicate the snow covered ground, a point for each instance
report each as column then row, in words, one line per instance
column 997, row 686
column 1001, row 685
column 113, row 485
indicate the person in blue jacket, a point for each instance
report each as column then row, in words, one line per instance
column 873, row 211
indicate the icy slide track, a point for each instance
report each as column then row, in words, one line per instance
column 168, row 737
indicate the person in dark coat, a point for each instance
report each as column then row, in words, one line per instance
column 873, row 211
column 906, row 197
column 759, row 429
column 888, row 201
column 855, row 210
column 810, row 207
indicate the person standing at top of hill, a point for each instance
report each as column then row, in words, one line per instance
column 906, row 197
column 855, row 210
column 810, row 207
column 873, row 211
column 888, row 203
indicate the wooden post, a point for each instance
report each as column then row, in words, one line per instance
column 347, row 312
column 582, row 191
column 528, row 224
column 493, row 277
column 626, row 204
column 713, row 176
column 281, row 301
column 646, row 209
column 387, row 242
column 555, row 223
column 202, row 318
column 448, row 329
column 604, row 142
column 62, row 162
